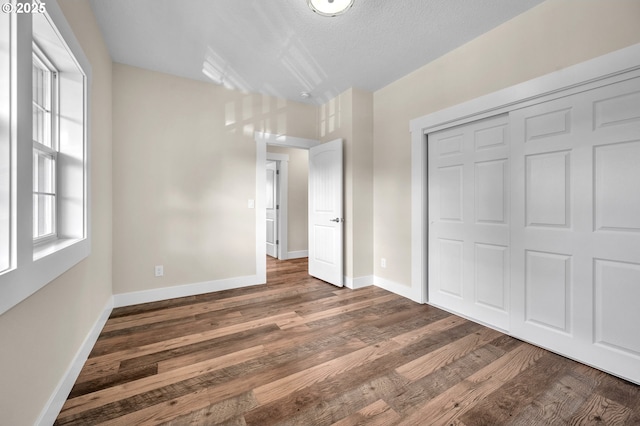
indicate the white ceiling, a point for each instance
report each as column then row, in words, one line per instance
column 282, row 48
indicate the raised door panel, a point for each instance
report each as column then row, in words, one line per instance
column 548, row 290
column 492, row 276
column 617, row 287
column 547, row 189
column 491, row 192
column 617, row 169
column 451, row 193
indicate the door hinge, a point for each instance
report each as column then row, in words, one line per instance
column 277, row 172
column 277, row 206
column 277, row 242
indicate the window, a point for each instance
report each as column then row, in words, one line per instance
column 44, row 152
column 44, row 123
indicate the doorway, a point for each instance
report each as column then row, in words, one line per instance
column 289, row 226
column 272, row 206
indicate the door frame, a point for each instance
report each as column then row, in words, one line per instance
column 262, row 140
column 615, row 66
column 282, row 183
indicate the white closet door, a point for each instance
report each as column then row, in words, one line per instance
column 576, row 226
column 469, row 220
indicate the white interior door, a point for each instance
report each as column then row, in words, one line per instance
column 326, row 223
column 576, row 236
column 271, row 202
column 469, row 220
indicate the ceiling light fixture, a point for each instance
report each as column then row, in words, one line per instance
column 330, row 7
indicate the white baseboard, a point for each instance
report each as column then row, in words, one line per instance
column 58, row 398
column 157, row 294
column 297, row 254
column 399, row 289
column 359, row 282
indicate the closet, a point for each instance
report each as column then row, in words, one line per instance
column 534, row 223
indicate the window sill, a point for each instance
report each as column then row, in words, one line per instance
column 50, row 247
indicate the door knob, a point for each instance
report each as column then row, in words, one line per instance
column 337, row 219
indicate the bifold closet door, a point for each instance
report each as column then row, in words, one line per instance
column 469, row 220
column 575, row 236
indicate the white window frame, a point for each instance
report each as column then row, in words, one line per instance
column 33, row 266
column 6, row 162
column 49, row 150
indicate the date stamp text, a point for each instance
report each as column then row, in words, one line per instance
column 23, row 7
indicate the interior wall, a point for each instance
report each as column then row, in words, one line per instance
column 185, row 154
column 362, row 181
column 350, row 116
column 297, row 197
column 549, row 37
column 41, row 335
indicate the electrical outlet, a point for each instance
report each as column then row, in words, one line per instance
column 159, row 270
column 383, row 262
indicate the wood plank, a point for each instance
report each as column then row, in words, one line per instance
column 282, row 387
column 222, row 412
column 376, row 414
column 432, row 361
column 428, row 330
column 298, row 320
column 557, row 405
column 598, row 410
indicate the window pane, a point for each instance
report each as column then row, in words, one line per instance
column 43, row 213
column 43, row 172
column 5, row 165
column 41, row 93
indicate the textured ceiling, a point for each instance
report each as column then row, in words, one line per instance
column 282, row 48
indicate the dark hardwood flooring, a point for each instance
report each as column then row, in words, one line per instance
column 298, row 351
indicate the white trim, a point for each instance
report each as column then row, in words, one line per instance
column 618, row 65
column 262, row 140
column 399, row 289
column 261, row 212
column 157, row 294
column 59, row 396
column 577, row 77
column 274, row 156
column 286, row 141
column 360, row 282
column 297, row 254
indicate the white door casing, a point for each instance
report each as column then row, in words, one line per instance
column 271, row 206
column 326, row 223
column 469, row 220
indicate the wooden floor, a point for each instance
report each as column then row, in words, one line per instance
column 299, row 351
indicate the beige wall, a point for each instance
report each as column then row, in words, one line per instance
column 297, row 197
column 41, row 335
column 361, row 163
column 185, row 157
column 349, row 116
column 551, row 36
